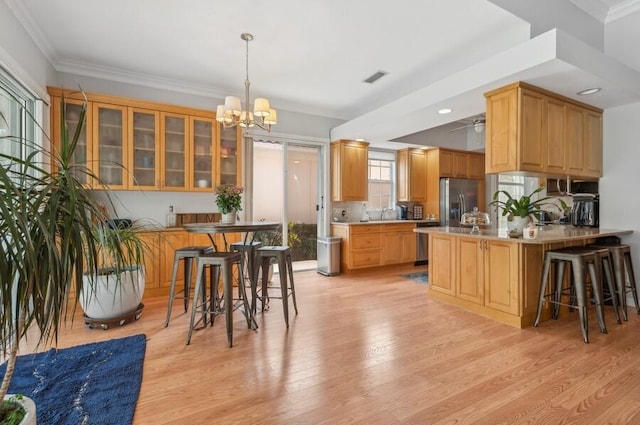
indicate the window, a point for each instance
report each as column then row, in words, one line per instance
column 381, row 183
column 19, row 132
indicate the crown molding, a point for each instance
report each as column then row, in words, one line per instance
column 23, row 16
column 135, row 78
column 595, row 8
column 623, row 9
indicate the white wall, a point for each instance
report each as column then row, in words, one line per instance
column 619, row 195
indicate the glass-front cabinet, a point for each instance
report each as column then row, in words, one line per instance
column 203, row 136
column 83, row 155
column 175, row 152
column 230, row 155
column 109, row 134
column 144, row 136
column 132, row 144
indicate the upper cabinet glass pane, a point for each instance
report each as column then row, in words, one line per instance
column 228, row 155
column 175, row 174
column 203, row 131
column 111, row 146
column 145, row 162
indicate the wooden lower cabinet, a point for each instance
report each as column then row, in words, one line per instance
column 496, row 278
column 151, row 260
column 442, row 263
column 161, row 249
column 479, row 274
column 470, row 269
column 399, row 244
column 373, row 245
column 501, row 278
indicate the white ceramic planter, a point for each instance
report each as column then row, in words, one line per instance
column 228, row 218
column 29, row 406
column 106, row 297
column 516, row 226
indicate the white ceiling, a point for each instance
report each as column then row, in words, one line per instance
column 312, row 56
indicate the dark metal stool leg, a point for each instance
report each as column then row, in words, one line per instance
column 172, row 289
column 581, row 294
column 291, row 284
column 632, row 279
column 543, row 288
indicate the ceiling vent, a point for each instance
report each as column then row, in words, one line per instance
column 375, row 77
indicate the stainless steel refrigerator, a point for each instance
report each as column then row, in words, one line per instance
column 457, row 196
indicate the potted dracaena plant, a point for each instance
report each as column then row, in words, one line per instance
column 519, row 211
column 47, row 222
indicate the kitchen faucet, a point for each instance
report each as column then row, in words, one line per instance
column 384, row 210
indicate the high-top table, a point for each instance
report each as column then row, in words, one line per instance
column 249, row 228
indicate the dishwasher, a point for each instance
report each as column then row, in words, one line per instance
column 422, row 242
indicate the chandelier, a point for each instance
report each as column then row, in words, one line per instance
column 231, row 113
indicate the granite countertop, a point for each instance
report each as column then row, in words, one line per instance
column 546, row 234
column 358, row 223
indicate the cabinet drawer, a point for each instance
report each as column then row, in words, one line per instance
column 366, row 228
column 366, row 259
column 365, row 241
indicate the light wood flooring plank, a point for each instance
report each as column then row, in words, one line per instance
column 372, row 348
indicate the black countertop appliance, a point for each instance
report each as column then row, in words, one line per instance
column 585, row 210
column 403, row 212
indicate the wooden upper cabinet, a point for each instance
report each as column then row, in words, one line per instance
column 446, row 163
column 132, row 144
column 229, row 155
column 411, row 179
column 501, row 131
column 83, row 155
column 144, row 137
column 349, row 170
column 593, row 145
column 531, row 118
column 475, row 164
column 110, row 145
column 554, row 136
column 460, row 164
column 174, row 134
column 203, row 147
column 574, row 140
column 533, row 130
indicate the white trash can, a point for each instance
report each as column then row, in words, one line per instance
column 329, row 255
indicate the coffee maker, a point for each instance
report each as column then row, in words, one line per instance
column 403, row 212
column 585, row 211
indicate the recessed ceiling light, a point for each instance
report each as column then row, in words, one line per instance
column 589, row 91
column 445, row 111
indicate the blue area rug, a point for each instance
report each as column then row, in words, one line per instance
column 420, row 277
column 94, row 383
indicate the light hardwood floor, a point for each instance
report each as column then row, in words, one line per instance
column 372, row 348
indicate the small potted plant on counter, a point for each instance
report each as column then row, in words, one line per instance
column 519, row 211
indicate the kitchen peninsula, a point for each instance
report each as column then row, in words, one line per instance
column 494, row 275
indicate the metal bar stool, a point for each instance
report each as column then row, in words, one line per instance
column 580, row 260
column 224, row 262
column 624, row 275
column 249, row 252
column 188, row 254
column 287, row 287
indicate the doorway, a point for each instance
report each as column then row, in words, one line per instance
column 287, row 187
